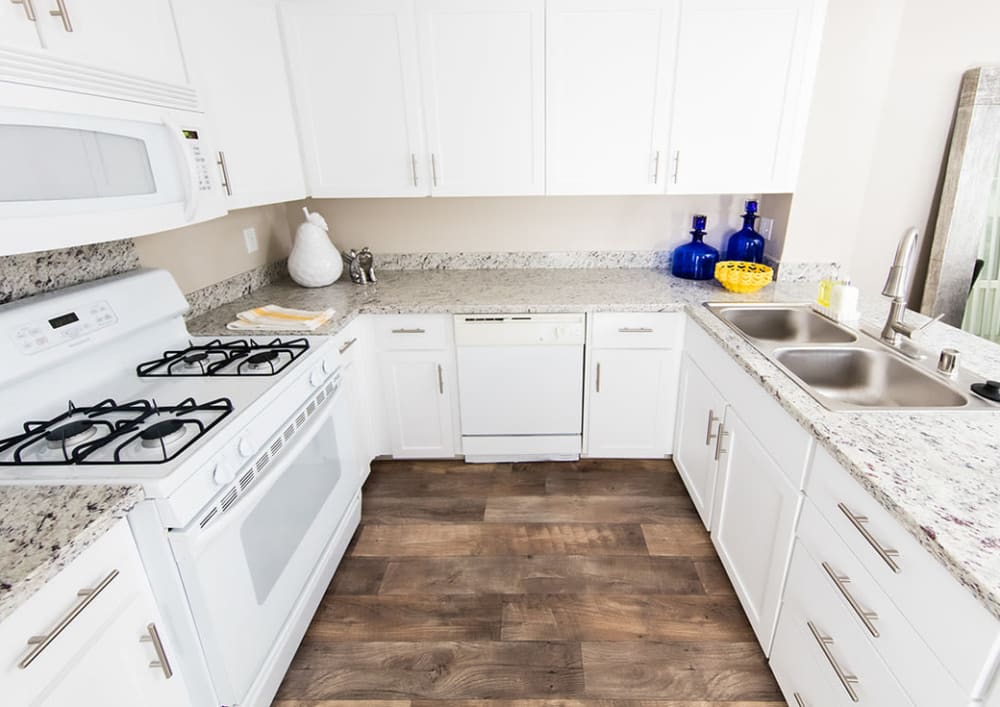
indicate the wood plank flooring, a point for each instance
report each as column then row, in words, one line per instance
column 585, row 584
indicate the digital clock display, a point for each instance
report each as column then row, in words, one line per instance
column 190, row 134
column 63, row 320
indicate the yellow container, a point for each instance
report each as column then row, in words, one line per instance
column 743, row 277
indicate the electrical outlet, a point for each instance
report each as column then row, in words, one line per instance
column 766, row 226
column 250, row 239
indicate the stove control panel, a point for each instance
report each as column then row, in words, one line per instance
column 64, row 327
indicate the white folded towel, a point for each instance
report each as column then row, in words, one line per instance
column 274, row 318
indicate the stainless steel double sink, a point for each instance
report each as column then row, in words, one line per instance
column 841, row 368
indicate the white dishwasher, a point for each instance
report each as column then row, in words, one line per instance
column 520, row 386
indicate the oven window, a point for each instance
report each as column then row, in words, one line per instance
column 275, row 528
column 43, row 163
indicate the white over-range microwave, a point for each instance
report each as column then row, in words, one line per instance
column 82, row 168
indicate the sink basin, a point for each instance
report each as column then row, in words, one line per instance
column 787, row 324
column 848, row 377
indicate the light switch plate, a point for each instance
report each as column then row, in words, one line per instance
column 250, row 239
column 766, row 226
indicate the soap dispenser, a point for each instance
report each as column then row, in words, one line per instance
column 695, row 260
column 746, row 244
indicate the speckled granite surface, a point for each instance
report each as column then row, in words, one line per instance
column 938, row 473
column 44, row 528
column 227, row 290
column 33, row 273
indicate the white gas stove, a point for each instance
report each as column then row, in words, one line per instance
column 243, row 447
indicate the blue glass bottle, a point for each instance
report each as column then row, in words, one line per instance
column 746, row 244
column 695, row 260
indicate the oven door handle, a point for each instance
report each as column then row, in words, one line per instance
column 303, row 438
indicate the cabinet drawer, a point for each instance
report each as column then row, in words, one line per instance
column 953, row 624
column 815, row 630
column 407, row 332
column 921, row 674
column 111, row 565
column 637, row 330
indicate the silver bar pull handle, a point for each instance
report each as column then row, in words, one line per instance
column 347, row 344
column 677, row 165
column 846, row 679
column 719, row 451
column 888, row 555
column 635, row 330
column 409, row 331
column 712, row 419
column 656, row 167
column 40, row 643
column 29, row 9
column 62, row 12
column 221, row 161
column 161, row 662
column 413, row 169
column 867, row 617
column 440, row 379
column 597, row 387
column 434, row 169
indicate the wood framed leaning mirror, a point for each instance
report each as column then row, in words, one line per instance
column 963, row 275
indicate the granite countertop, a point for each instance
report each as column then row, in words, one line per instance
column 44, row 528
column 936, row 472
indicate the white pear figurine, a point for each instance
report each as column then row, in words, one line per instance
column 314, row 260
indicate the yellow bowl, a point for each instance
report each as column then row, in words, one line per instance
column 743, row 277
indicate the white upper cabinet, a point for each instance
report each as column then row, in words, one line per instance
column 609, row 75
column 234, row 55
column 134, row 37
column 482, row 63
column 744, row 74
column 354, row 72
column 19, row 25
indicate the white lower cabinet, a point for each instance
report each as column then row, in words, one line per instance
column 103, row 639
column 416, row 364
column 696, row 444
column 632, row 384
column 753, row 521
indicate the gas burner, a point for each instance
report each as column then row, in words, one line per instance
column 138, row 432
column 70, row 434
column 162, row 433
column 218, row 358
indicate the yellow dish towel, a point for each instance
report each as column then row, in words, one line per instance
column 271, row 317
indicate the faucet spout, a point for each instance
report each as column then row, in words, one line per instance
column 897, row 286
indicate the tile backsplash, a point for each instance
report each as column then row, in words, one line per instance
column 33, row 273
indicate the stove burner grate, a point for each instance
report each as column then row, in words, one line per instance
column 239, row 357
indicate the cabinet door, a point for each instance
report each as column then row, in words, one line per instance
column 234, row 54
column 609, row 70
column 700, row 408
column 418, row 390
column 353, row 67
column 114, row 668
column 739, row 101
column 19, row 25
column 753, row 522
column 482, row 64
column 631, row 396
column 135, row 37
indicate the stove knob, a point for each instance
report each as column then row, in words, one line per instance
column 316, row 377
column 244, row 447
column 223, row 474
column 327, row 366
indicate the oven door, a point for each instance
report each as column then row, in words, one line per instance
column 247, row 568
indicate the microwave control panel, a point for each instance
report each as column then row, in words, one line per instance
column 64, row 327
column 200, row 161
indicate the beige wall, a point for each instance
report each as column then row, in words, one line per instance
column 549, row 223
column 876, row 144
column 209, row 252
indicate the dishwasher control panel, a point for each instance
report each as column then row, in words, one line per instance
column 520, row 329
